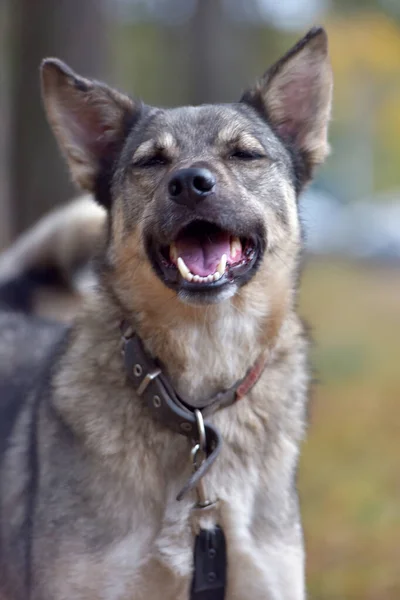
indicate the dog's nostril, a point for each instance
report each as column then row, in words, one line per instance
column 175, row 187
column 202, row 183
column 189, row 186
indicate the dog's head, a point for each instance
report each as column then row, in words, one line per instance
column 202, row 200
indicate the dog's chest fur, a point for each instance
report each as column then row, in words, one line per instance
column 140, row 467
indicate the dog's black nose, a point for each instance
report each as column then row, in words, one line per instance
column 189, row 186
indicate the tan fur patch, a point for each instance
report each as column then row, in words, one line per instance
column 233, row 135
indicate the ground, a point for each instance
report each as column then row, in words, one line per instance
column 349, row 476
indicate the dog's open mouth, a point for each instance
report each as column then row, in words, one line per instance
column 204, row 257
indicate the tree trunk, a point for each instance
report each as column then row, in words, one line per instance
column 75, row 31
column 219, row 53
column 5, row 224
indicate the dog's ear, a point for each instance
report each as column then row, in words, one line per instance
column 90, row 121
column 295, row 95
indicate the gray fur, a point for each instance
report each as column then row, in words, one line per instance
column 88, row 479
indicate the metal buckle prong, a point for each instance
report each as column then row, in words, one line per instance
column 149, row 377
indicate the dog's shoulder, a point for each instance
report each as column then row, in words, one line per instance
column 29, row 350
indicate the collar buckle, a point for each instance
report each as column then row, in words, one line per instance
column 157, row 393
column 146, row 380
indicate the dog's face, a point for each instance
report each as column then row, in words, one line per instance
column 202, row 200
column 199, row 182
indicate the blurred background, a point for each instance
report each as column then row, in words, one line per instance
column 191, row 51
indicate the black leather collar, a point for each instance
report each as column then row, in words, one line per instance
column 153, row 386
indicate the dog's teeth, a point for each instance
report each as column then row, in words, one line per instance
column 173, row 253
column 222, row 265
column 188, row 276
column 236, row 246
column 183, row 270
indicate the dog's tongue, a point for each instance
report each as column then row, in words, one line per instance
column 202, row 252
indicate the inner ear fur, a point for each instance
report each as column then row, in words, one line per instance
column 295, row 97
column 90, row 121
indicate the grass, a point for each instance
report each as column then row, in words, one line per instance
column 350, row 469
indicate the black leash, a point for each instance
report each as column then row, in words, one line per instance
column 210, row 565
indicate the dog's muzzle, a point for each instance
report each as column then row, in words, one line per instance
column 204, row 257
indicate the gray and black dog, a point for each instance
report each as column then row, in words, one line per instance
column 197, row 274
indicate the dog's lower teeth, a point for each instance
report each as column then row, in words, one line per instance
column 222, row 265
column 188, row 276
column 183, row 270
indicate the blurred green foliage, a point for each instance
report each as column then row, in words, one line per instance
column 349, row 473
column 170, row 64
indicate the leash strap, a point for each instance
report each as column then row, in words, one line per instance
column 210, row 565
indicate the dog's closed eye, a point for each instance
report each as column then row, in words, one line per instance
column 155, row 152
column 246, row 154
column 153, row 160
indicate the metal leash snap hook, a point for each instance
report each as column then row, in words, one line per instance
column 201, row 430
column 198, row 455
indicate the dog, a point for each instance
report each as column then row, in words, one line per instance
column 150, row 449
column 47, row 270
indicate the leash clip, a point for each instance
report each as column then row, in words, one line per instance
column 198, row 455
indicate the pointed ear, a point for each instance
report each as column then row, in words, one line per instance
column 89, row 120
column 295, row 96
